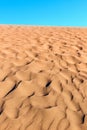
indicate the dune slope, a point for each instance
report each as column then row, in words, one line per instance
column 43, row 78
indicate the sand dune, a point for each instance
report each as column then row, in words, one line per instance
column 43, row 78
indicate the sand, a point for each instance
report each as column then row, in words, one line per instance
column 43, row 78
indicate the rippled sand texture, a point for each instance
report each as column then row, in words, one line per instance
column 43, row 78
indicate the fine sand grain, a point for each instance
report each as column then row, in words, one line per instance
column 43, row 78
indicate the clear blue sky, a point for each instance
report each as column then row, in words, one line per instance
column 44, row 12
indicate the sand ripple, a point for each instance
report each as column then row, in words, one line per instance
column 43, row 78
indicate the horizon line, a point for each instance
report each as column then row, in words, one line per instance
column 38, row 25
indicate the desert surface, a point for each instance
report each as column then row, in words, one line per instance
column 43, row 78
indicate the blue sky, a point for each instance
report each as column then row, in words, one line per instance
column 44, row 12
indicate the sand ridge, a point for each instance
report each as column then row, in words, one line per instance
column 43, row 78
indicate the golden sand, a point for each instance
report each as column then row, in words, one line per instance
column 43, row 78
